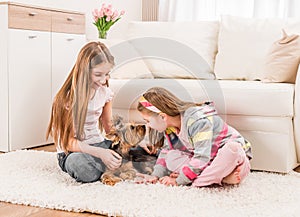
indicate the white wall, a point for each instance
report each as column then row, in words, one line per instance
column 133, row 12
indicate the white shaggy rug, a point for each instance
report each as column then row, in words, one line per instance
column 34, row 178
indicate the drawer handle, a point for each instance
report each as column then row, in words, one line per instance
column 70, row 19
column 32, row 14
column 70, row 39
column 32, row 36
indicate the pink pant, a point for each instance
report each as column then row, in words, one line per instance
column 227, row 159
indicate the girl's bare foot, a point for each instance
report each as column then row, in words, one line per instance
column 234, row 177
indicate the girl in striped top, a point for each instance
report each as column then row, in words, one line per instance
column 81, row 105
column 200, row 148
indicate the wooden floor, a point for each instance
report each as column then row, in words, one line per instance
column 12, row 210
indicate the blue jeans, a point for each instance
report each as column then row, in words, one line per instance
column 81, row 166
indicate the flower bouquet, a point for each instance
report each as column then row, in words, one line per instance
column 104, row 18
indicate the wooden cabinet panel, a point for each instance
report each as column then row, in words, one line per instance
column 68, row 22
column 29, row 18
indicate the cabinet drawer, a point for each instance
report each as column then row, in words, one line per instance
column 68, row 22
column 20, row 17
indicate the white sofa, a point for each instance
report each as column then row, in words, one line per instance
column 220, row 61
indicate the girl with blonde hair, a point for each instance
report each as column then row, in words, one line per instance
column 200, row 148
column 80, row 106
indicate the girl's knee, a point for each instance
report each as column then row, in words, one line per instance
column 235, row 150
column 234, row 146
column 81, row 169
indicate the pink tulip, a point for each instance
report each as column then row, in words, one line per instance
column 101, row 13
column 108, row 12
column 122, row 12
column 115, row 15
column 95, row 13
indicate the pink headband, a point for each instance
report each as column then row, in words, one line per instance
column 148, row 105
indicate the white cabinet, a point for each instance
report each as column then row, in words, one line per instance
column 29, row 67
column 67, row 40
column 38, row 48
column 3, row 82
column 62, row 62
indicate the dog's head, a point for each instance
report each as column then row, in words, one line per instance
column 126, row 135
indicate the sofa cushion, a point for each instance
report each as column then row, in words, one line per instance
column 128, row 62
column 194, row 41
column 244, row 43
column 283, row 59
column 258, row 99
column 249, row 98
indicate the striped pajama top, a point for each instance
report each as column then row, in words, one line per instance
column 202, row 134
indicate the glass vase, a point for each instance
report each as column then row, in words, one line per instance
column 102, row 34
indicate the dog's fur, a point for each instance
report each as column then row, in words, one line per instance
column 125, row 137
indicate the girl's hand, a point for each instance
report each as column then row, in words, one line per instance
column 144, row 178
column 169, row 181
column 148, row 148
column 111, row 159
column 174, row 175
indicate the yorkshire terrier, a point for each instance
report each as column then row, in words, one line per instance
column 125, row 138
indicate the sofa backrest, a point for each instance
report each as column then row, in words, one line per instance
column 235, row 48
column 194, row 41
column 244, row 44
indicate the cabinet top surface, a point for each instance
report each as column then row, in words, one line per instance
column 39, row 7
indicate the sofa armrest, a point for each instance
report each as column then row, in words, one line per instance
column 297, row 114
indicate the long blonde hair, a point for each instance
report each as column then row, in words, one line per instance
column 165, row 101
column 69, row 107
